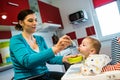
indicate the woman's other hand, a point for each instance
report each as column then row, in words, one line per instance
column 119, row 40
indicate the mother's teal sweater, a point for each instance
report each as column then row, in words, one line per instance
column 26, row 61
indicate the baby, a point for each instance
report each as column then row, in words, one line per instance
column 94, row 62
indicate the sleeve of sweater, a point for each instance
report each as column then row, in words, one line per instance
column 56, row 60
column 28, row 59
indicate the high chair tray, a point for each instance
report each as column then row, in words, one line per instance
column 73, row 73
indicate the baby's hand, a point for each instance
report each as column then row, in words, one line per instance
column 119, row 40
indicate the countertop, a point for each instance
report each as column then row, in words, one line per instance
column 5, row 67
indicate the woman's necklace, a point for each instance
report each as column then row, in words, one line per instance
column 31, row 41
column 34, row 45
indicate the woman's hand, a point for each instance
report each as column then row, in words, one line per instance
column 63, row 43
column 65, row 58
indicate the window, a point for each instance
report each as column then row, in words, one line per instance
column 108, row 18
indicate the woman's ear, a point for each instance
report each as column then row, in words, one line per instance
column 20, row 22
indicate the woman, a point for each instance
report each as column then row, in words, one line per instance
column 29, row 53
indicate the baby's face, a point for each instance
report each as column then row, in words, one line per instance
column 85, row 47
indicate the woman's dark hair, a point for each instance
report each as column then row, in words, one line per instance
column 21, row 16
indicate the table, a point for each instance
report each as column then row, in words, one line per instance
column 73, row 73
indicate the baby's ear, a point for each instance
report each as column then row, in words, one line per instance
column 93, row 51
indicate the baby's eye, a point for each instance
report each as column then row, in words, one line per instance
column 84, row 45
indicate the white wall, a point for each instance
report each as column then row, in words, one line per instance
column 70, row 6
column 106, row 47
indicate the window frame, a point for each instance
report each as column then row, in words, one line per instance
column 97, row 26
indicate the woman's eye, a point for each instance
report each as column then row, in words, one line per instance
column 30, row 20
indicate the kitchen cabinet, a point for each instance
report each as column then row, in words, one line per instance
column 5, row 34
column 49, row 13
column 11, row 8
